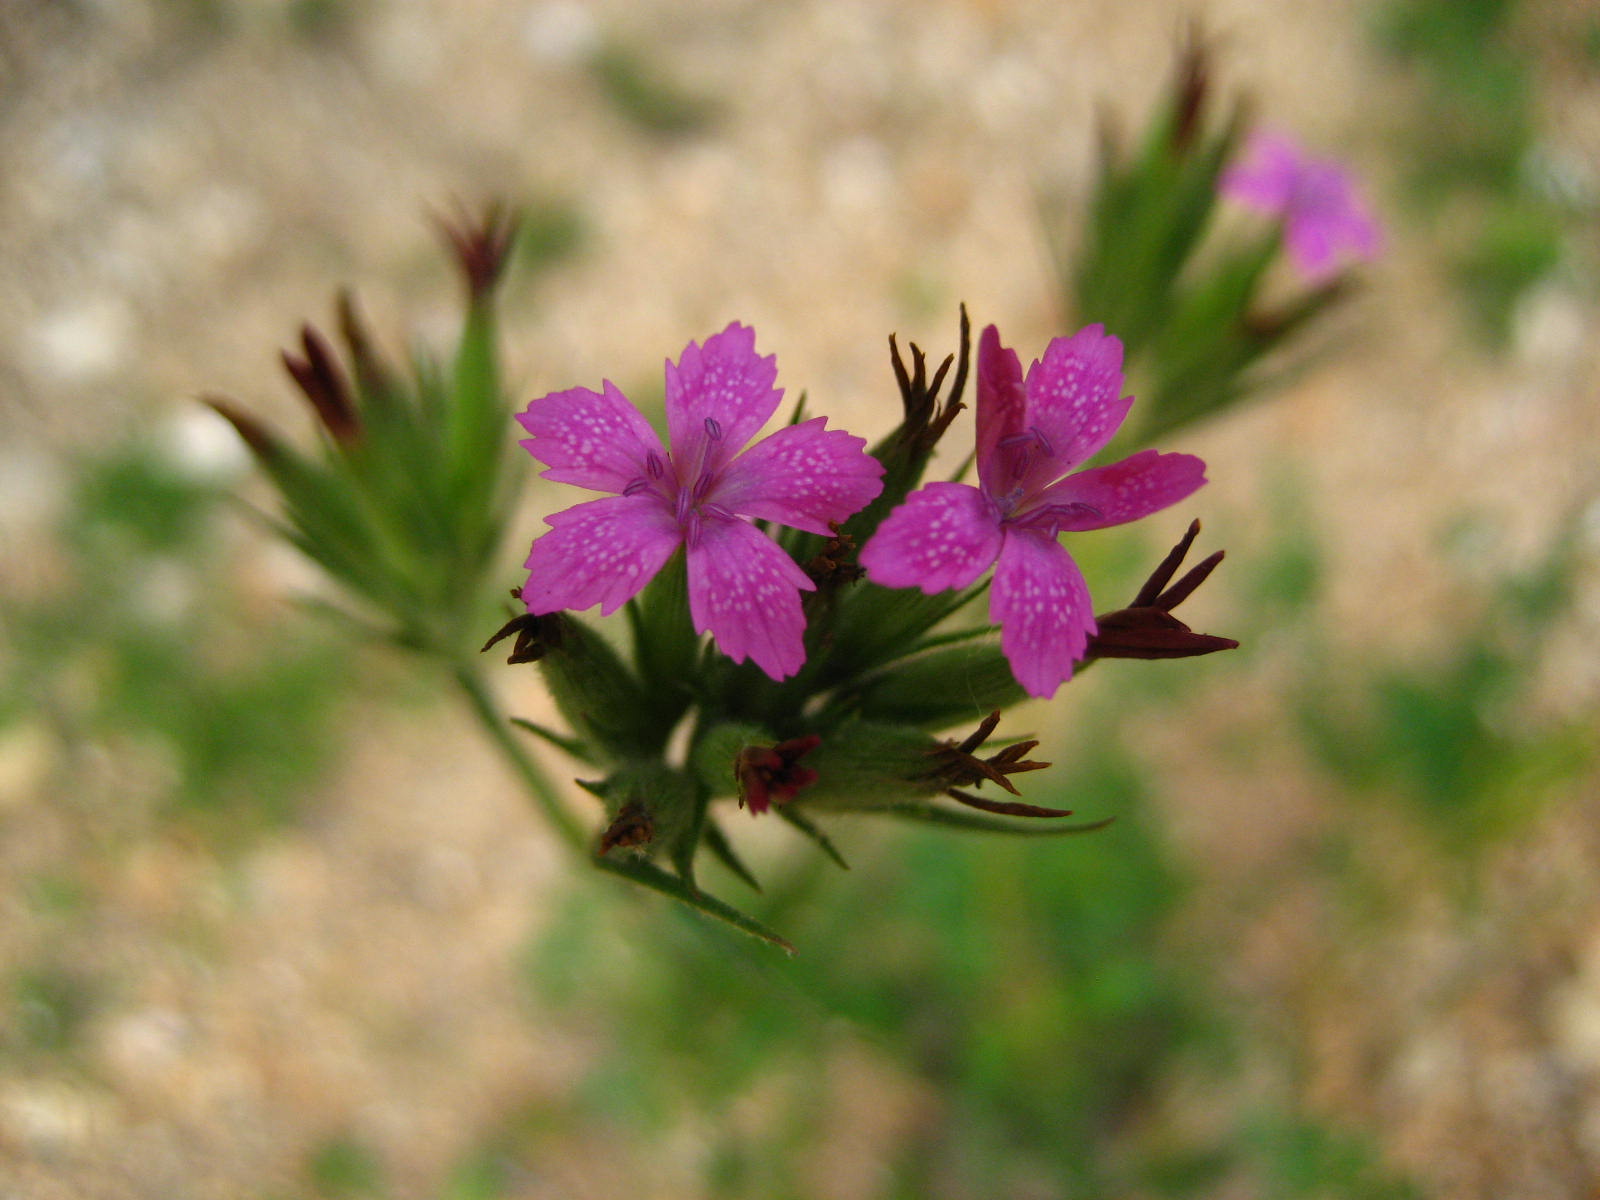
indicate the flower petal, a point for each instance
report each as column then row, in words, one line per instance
column 593, row 439
column 1264, row 177
column 745, row 592
column 804, row 475
column 944, row 536
column 1119, row 492
column 1075, row 402
column 1325, row 220
column 1041, row 603
column 599, row 552
column 718, row 397
column 1328, row 223
column 1001, row 405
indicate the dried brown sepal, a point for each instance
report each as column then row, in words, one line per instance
column 263, row 443
column 1191, row 87
column 1151, row 633
column 836, row 562
column 633, row 826
column 926, row 417
column 373, row 376
column 320, row 378
column 536, row 636
column 1147, row 628
column 481, row 244
column 956, row 765
column 1162, row 575
column 1006, row 808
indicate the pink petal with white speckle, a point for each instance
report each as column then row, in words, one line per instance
column 804, row 476
column 1135, row 487
column 1041, row 603
column 1002, row 402
column 599, row 552
column 944, row 536
column 745, row 592
column 592, row 439
column 1075, row 401
column 718, row 397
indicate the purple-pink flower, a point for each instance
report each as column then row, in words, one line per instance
column 1325, row 222
column 1031, row 434
column 743, row 589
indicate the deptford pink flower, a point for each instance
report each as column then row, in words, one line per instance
column 743, row 589
column 1325, row 222
column 1031, row 434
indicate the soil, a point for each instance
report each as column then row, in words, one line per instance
column 181, row 184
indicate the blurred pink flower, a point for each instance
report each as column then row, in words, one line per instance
column 1030, row 436
column 743, row 589
column 1325, row 223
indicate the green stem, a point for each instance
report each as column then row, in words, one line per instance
column 539, row 785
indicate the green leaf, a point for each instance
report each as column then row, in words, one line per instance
column 656, row 879
column 717, row 842
column 567, row 745
column 940, row 688
column 936, row 815
column 812, row 832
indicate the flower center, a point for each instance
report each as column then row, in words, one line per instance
column 1022, row 452
column 1024, row 448
column 683, row 487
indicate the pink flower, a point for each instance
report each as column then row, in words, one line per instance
column 1324, row 221
column 1030, row 435
column 743, row 589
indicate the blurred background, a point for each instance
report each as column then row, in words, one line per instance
column 275, row 924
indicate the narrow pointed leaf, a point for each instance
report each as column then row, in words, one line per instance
column 656, row 879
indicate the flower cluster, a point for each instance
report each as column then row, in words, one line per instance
column 833, row 574
column 701, row 495
column 800, row 631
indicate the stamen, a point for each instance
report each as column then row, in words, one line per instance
column 653, row 464
column 635, row 486
column 713, row 430
column 1053, row 516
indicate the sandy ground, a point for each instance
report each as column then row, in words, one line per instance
column 181, row 184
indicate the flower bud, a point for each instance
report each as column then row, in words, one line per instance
column 601, row 699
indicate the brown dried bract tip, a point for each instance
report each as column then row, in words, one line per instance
column 1147, row 628
column 536, row 636
column 1006, row 808
column 482, row 245
column 957, row 765
column 1191, row 87
column 925, row 418
column 263, row 444
column 372, row 374
column 836, row 562
column 320, row 378
column 633, row 826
